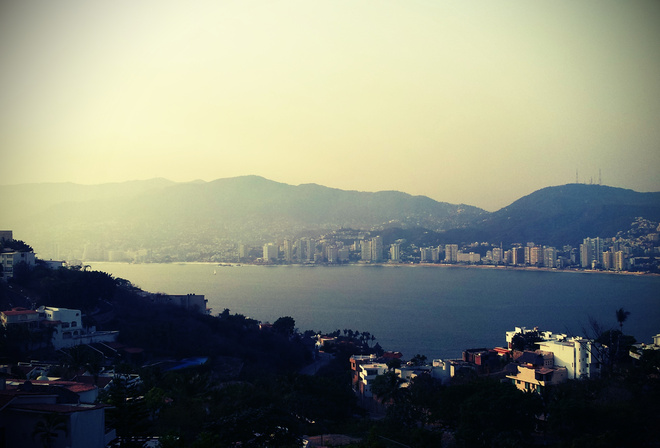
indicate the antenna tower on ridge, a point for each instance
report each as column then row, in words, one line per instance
column 576, row 176
column 599, row 177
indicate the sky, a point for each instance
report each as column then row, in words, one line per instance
column 474, row 102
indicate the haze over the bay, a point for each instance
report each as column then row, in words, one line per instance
column 465, row 102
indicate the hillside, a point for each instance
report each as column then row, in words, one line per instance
column 191, row 221
column 160, row 214
column 563, row 215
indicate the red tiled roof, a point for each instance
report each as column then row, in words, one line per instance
column 57, row 408
column 73, row 386
column 17, row 312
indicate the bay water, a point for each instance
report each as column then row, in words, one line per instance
column 436, row 311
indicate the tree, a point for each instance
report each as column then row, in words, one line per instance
column 621, row 317
column 285, row 325
column 387, row 387
column 418, row 360
column 393, row 363
column 47, row 430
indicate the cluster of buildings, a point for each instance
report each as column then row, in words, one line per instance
column 309, row 250
column 594, row 253
column 62, row 327
column 558, row 359
column 39, row 412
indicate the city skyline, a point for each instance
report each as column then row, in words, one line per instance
column 476, row 103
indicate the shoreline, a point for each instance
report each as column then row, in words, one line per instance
column 399, row 265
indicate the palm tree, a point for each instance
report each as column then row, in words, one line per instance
column 621, row 316
column 47, row 429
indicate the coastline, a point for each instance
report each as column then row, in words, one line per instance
column 401, row 265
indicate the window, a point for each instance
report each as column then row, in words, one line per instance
column 74, row 324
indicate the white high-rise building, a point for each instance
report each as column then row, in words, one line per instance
column 395, row 252
column 550, row 257
column 425, row 254
column 332, row 254
column 497, row 255
column 287, row 249
column 270, row 252
column 377, row 249
column 311, row 249
column 365, row 250
column 451, row 253
column 575, row 354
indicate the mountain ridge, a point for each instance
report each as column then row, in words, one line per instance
column 159, row 213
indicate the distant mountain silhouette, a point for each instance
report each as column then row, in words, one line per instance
column 563, row 215
column 202, row 216
column 249, row 208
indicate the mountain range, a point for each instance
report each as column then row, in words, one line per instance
column 159, row 214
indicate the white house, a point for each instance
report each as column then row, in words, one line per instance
column 368, row 372
column 68, row 328
column 573, row 353
column 576, row 354
column 9, row 260
column 535, row 378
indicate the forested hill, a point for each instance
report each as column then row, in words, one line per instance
column 198, row 217
column 563, row 215
column 155, row 213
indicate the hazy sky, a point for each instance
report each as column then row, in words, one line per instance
column 476, row 102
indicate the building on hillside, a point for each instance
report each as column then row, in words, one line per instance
column 356, row 361
column 576, row 354
column 20, row 316
column 530, row 378
column 6, row 235
column 445, row 370
column 409, row 373
column 69, row 330
column 367, row 374
column 65, row 324
column 485, row 360
column 53, row 264
column 27, row 406
column 190, row 302
column 10, row 259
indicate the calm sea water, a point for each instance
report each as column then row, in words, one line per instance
column 434, row 311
